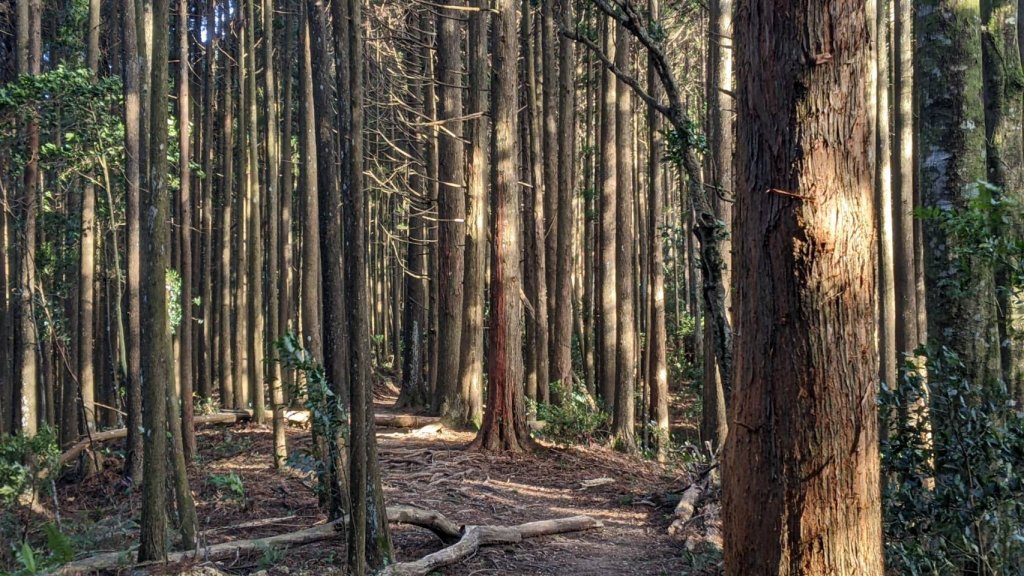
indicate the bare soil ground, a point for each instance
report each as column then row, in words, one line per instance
column 433, row 471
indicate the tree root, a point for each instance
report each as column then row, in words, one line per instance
column 463, row 541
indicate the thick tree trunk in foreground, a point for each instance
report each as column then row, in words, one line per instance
column 607, row 319
column 504, row 426
column 801, row 467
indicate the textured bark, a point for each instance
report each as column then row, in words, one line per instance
column 257, row 319
column 623, row 416
column 561, row 343
column 207, row 269
column 607, row 320
column 415, row 392
column 156, row 334
column 312, row 332
column 225, row 344
column 549, row 160
column 801, row 467
column 369, row 541
column 274, row 275
column 131, row 71
column 335, row 333
column 884, row 208
column 1001, row 69
column 184, row 332
column 657, row 339
column 537, row 361
column 27, row 412
column 952, row 145
column 86, row 369
column 451, row 214
column 471, row 360
column 240, row 250
column 504, row 427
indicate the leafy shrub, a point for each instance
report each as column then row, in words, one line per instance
column 60, row 551
column 24, row 461
column 953, row 480
column 575, row 421
column 230, row 484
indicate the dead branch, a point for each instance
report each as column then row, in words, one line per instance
column 476, row 536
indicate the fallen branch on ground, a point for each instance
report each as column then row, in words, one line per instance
column 464, row 541
column 473, row 537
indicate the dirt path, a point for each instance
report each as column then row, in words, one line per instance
column 430, row 471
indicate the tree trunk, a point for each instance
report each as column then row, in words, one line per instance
column 257, row 319
column 504, row 427
column 561, row 344
column 471, row 363
column 623, row 416
column 795, row 500
column 156, row 334
column 275, row 276
column 657, row 357
column 607, row 320
column 226, row 358
column 451, row 213
column 184, row 333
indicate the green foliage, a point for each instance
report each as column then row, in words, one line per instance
column 230, row 485
column 24, row 460
column 60, row 551
column 328, row 418
column 575, row 421
column 953, row 485
column 271, row 556
column 172, row 280
column 77, row 117
column 205, row 405
column 678, row 142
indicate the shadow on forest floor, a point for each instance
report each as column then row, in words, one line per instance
column 432, row 471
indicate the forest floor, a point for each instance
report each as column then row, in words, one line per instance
column 427, row 469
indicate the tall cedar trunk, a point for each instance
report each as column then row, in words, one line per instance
column 607, row 320
column 471, row 362
column 257, row 319
column 86, row 371
column 561, row 344
column 504, row 427
column 1001, row 67
column 27, row 411
column 369, row 542
column 334, row 344
column 714, row 424
column 184, row 332
column 624, row 416
column 156, row 334
column 536, row 278
column 657, row 358
column 225, row 352
column 131, row 71
column 795, row 500
column 451, row 213
column 275, row 277
column 906, row 266
column 952, row 149
column 414, row 392
column 207, row 280
column 549, row 92
column 887, row 352
column 288, row 298
column 588, row 249
column 312, row 334
column 239, row 263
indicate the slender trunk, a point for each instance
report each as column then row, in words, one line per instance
column 608, row 319
column 451, row 215
column 504, row 426
column 561, row 345
column 184, row 332
column 623, row 416
column 225, row 348
column 257, row 319
column 471, row 362
column 156, row 334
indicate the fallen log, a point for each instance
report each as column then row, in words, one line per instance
column 474, row 537
column 116, row 434
column 213, row 553
column 464, row 541
column 404, row 420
